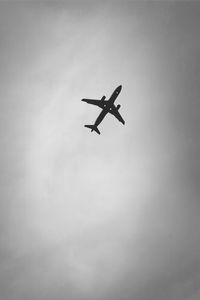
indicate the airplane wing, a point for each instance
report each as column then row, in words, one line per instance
column 99, row 103
column 117, row 115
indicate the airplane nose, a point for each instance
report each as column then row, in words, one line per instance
column 119, row 88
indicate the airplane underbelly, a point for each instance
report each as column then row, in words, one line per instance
column 100, row 117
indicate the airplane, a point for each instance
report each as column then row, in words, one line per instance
column 107, row 106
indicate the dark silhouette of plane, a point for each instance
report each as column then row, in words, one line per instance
column 107, row 106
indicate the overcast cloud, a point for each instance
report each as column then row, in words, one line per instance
column 114, row 216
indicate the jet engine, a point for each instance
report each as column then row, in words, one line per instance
column 103, row 98
column 118, row 106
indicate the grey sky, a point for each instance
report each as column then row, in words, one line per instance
column 114, row 216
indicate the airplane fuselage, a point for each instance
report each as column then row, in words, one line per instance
column 114, row 95
column 101, row 116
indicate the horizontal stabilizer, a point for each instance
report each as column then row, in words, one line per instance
column 93, row 127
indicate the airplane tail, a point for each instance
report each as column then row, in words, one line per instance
column 93, row 127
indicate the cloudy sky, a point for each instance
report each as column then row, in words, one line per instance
column 114, row 216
